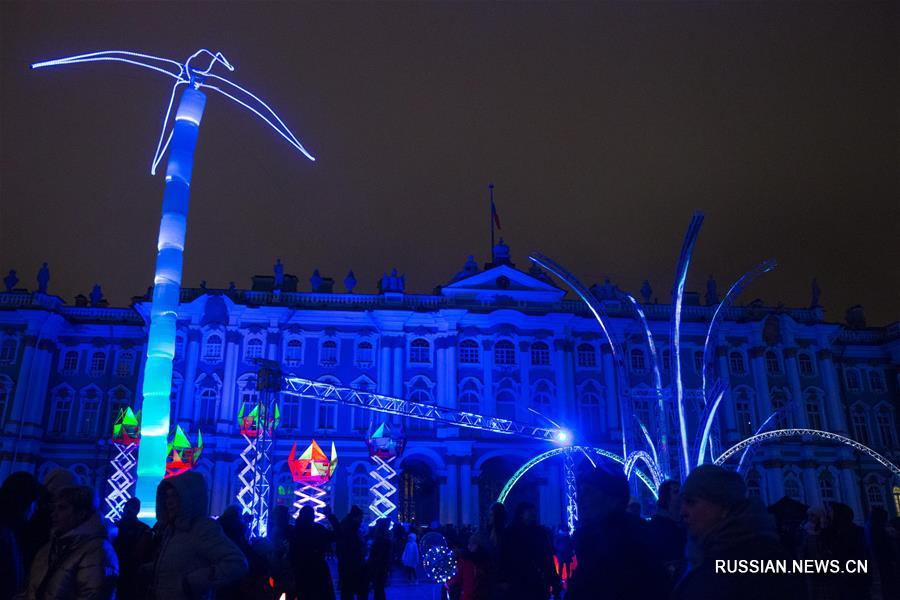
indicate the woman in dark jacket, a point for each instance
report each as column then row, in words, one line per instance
column 78, row 563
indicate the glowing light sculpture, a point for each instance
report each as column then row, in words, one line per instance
column 181, row 140
column 126, row 437
column 384, row 447
column 257, row 429
column 571, row 491
column 311, row 471
column 181, row 455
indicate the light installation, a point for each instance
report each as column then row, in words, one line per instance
column 439, row 562
column 180, row 138
column 181, row 455
column 126, row 436
column 257, row 428
column 385, row 447
column 311, row 471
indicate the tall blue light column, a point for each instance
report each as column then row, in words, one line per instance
column 156, row 389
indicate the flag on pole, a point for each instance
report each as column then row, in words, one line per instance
column 494, row 215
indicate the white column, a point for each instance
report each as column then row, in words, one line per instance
column 811, row 484
column 793, row 376
column 227, row 413
column 487, row 358
column 525, row 375
column 774, row 480
column 384, row 367
column 727, row 411
column 837, row 419
column 186, row 406
column 761, row 382
column 399, row 345
column 850, row 489
column 465, row 492
column 613, row 422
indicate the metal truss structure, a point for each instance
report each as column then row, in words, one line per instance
column 310, row 495
column 571, row 491
column 383, row 490
column 825, row 435
column 325, row 392
column 121, row 480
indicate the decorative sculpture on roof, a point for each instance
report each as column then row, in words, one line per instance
column 646, row 292
column 43, row 278
column 97, row 295
column 350, row 282
column 385, row 446
column 815, row 292
column 182, row 456
column 126, row 435
column 392, row 283
column 712, row 295
column 278, row 270
column 311, row 471
column 10, row 280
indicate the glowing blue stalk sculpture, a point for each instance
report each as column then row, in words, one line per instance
column 182, row 141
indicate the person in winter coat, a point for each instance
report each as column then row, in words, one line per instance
column 526, row 557
column 18, row 496
column 255, row 584
column 133, row 545
column 195, row 556
column 351, row 555
column 310, row 544
column 410, row 558
column 844, row 540
column 472, row 577
column 78, row 563
column 617, row 556
column 725, row 526
column 379, row 564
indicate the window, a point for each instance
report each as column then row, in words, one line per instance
column 125, row 364
column 6, row 389
column 814, row 409
column 8, row 351
column 587, row 356
column 359, row 491
column 174, row 395
column 504, row 353
column 876, row 381
column 542, row 401
column 792, row 488
column 698, row 361
column 590, row 410
column 468, row 352
column 293, row 352
column 365, row 354
column 753, row 485
column 212, row 350
column 637, row 360
column 290, row 412
column 89, row 412
column 826, row 487
column 469, row 398
column 327, row 416
column 736, row 363
column 805, row 364
column 642, row 411
column 247, row 394
column 362, row 418
column 874, row 495
column 743, row 413
column 98, row 363
column 885, row 419
column 209, row 401
column 420, row 391
column 419, row 352
column 506, row 405
column 540, row 354
column 773, row 367
column 70, row 362
column 253, row 350
column 783, row 418
column 860, row 425
column 61, row 411
column 851, row 376
column 328, row 355
column 119, row 399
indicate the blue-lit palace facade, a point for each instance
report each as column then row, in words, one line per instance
column 495, row 340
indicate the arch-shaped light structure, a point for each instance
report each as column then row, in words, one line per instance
column 825, row 435
column 179, row 136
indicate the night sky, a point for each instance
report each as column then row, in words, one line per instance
column 602, row 126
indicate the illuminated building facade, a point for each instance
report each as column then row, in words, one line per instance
column 496, row 340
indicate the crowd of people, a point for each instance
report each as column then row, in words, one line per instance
column 54, row 545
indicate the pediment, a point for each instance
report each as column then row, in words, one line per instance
column 503, row 280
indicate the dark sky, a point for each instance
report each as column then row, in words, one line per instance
column 602, row 126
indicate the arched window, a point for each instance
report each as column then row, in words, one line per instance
column 860, row 424
column 6, row 395
column 125, row 364
column 360, row 417
column 851, row 376
column 365, row 354
column 506, row 405
column 119, row 400
column 587, row 356
column 327, row 416
column 98, row 363
column 773, row 366
column 61, row 411
column 89, row 411
column 209, row 406
column 642, row 412
column 743, row 409
column 504, row 353
column 754, row 489
column 212, row 350
column 8, row 350
column 247, row 394
column 814, row 408
column 591, row 414
column 253, row 349
column 359, row 491
column 875, row 495
column 792, row 488
column 328, row 353
column 876, row 381
column 784, row 418
column 468, row 352
column 469, row 397
column 637, row 360
column 290, row 412
column 293, row 352
column 805, row 364
column 540, row 354
column 886, row 430
column 419, row 390
column 542, row 400
column 70, row 362
column 419, row 352
column 827, row 489
column 736, row 363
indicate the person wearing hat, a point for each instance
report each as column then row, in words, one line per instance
column 730, row 537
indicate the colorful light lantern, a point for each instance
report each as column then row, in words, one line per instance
column 182, row 456
column 126, row 436
column 385, row 447
column 311, row 471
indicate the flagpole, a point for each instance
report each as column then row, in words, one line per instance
column 491, row 187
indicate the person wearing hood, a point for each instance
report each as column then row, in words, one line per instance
column 309, row 545
column 18, row 496
column 351, row 554
column 195, row 556
column 473, row 577
column 410, row 558
column 78, row 563
column 725, row 526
